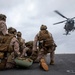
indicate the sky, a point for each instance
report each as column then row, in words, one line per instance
column 28, row 15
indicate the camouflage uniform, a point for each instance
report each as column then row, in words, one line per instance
column 12, row 31
column 23, row 48
column 8, row 45
column 33, row 54
column 46, row 45
column 29, row 44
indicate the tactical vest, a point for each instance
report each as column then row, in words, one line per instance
column 45, row 38
column 4, row 49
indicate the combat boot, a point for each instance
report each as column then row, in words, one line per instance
column 44, row 65
column 52, row 62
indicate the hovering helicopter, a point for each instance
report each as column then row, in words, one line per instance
column 69, row 25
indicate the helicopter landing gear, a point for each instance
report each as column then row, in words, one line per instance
column 66, row 34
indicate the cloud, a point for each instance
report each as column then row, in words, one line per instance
column 28, row 15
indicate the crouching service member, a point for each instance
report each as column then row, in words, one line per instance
column 45, row 43
column 9, row 46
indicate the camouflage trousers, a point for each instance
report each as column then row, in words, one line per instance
column 10, row 60
column 41, row 53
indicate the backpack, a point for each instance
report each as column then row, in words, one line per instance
column 45, row 37
column 4, row 49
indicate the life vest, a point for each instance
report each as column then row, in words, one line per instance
column 45, row 37
column 4, row 49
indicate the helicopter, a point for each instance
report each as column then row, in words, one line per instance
column 69, row 23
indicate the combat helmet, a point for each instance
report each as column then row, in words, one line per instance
column 12, row 30
column 3, row 17
column 19, row 34
column 43, row 27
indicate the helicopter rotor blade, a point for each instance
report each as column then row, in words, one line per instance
column 60, row 14
column 59, row 22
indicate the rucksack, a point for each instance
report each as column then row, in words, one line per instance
column 46, row 37
column 4, row 49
